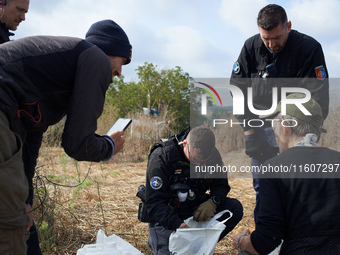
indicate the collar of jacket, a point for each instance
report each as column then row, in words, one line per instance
column 4, row 32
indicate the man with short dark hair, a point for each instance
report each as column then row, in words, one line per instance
column 43, row 79
column 12, row 13
column 300, row 206
column 277, row 57
column 173, row 194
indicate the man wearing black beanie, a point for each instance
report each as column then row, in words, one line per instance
column 43, row 79
column 110, row 38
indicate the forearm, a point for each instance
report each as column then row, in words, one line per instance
column 92, row 148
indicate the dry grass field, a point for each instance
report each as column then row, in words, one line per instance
column 71, row 217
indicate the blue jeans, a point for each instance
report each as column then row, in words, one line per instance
column 159, row 236
column 267, row 135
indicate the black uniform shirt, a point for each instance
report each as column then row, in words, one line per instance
column 302, row 57
column 160, row 170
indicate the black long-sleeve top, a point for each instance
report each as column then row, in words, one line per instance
column 303, row 209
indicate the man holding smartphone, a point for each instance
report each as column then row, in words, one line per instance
column 43, row 79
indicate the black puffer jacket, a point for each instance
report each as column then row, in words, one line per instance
column 44, row 78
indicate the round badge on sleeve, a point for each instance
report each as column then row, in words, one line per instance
column 237, row 67
column 156, row 182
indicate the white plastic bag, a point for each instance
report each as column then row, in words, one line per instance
column 109, row 245
column 201, row 238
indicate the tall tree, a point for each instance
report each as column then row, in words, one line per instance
column 165, row 90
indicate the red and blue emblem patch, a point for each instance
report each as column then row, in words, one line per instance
column 320, row 72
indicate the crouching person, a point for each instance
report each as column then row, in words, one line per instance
column 300, row 207
column 173, row 196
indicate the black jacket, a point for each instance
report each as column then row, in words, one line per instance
column 301, row 204
column 44, row 78
column 4, row 33
column 302, row 57
column 167, row 168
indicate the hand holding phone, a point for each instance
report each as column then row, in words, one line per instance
column 116, row 132
column 120, row 125
column 119, row 140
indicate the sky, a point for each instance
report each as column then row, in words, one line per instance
column 203, row 37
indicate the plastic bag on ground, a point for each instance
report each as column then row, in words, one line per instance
column 109, row 245
column 200, row 239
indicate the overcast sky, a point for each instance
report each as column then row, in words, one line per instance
column 203, row 37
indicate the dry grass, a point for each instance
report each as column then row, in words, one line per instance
column 71, row 217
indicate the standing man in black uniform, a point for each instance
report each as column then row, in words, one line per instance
column 12, row 12
column 42, row 79
column 172, row 195
column 276, row 52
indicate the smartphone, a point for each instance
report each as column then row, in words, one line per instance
column 120, row 125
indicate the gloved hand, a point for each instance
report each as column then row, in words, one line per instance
column 205, row 211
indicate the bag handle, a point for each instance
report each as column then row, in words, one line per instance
column 220, row 214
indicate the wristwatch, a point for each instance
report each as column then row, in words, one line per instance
column 216, row 200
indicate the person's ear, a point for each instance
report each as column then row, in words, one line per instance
column 185, row 143
column 289, row 26
column 286, row 131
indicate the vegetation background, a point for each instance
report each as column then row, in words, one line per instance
column 73, row 200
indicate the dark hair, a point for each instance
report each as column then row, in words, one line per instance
column 202, row 139
column 271, row 16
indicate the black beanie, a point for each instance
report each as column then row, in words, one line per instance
column 110, row 38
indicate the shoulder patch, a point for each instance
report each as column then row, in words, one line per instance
column 320, row 72
column 237, row 67
column 178, row 171
column 156, row 182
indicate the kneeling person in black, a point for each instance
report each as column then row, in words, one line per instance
column 172, row 195
column 300, row 206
